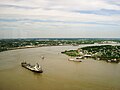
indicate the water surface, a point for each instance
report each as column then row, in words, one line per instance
column 59, row 73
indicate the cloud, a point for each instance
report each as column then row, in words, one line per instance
column 114, row 2
column 101, row 12
column 59, row 14
column 83, row 5
column 16, row 6
column 56, row 21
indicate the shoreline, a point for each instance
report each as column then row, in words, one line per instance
column 98, row 52
column 27, row 47
column 17, row 48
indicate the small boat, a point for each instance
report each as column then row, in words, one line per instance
column 79, row 57
column 71, row 59
column 35, row 68
column 113, row 61
column 42, row 57
column 75, row 60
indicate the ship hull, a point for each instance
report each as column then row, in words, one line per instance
column 29, row 67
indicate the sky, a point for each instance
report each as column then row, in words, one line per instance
column 59, row 18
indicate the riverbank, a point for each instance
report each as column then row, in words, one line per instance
column 107, row 53
column 15, row 48
column 12, row 44
column 26, row 47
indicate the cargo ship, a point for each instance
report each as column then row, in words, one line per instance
column 35, row 68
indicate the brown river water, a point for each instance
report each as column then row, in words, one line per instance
column 58, row 72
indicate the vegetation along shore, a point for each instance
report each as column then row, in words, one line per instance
column 11, row 44
column 107, row 53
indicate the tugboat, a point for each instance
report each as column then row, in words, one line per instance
column 35, row 68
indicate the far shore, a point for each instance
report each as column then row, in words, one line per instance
column 16, row 48
column 26, row 47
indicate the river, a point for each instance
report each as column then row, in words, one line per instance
column 58, row 72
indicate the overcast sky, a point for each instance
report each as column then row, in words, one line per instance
column 59, row 18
